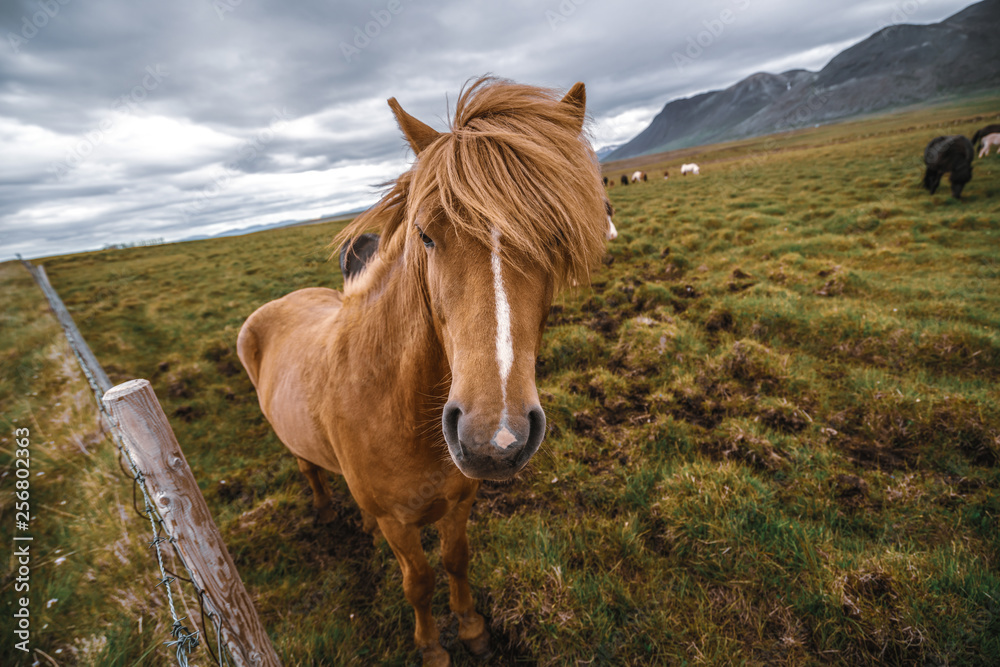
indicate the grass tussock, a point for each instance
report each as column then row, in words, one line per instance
column 773, row 430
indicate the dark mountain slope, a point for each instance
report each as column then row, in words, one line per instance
column 898, row 65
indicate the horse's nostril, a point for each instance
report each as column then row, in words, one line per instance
column 449, row 423
column 536, row 419
column 536, row 432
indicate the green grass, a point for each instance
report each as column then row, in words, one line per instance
column 774, row 430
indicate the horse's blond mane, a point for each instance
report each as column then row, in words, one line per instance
column 514, row 161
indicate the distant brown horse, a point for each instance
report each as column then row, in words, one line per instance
column 418, row 381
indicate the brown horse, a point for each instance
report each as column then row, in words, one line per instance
column 418, row 381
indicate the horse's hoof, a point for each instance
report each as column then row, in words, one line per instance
column 479, row 646
column 435, row 656
column 326, row 514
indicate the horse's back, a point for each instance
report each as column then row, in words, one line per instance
column 281, row 347
column 947, row 152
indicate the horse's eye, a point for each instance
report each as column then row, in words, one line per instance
column 428, row 241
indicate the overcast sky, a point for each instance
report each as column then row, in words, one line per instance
column 127, row 121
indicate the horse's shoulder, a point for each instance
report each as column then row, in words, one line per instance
column 312, row 293
column 287, row 323
column 308, row 300
column 288, row 314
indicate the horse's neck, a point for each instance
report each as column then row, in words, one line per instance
column 391, row 325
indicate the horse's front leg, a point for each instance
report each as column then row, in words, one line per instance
column 322, row 494
column 455, row 554
column 418, row 586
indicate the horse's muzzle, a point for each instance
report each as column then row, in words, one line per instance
column 485, row 449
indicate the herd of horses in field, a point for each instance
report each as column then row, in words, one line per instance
column 642, row 177
column 953, row 155
column 416, row 383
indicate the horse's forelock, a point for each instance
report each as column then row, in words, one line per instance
column 513, row 163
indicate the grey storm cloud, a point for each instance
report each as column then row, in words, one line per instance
column 124, row 121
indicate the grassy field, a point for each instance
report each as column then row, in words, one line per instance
column 774, row 431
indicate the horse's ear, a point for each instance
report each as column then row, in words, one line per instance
column 420, row 135
column 576, row 100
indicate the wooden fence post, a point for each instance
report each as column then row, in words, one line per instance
column 178, row 499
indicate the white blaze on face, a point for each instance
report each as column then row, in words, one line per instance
column 505, row 344
column 612, row 230
column 503, row 438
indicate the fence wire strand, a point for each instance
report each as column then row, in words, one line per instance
column 183, row 640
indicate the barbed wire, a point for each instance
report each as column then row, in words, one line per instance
column 184, row 641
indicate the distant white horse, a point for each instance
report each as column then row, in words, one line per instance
column 690, row 168
column 638, row 176
column 989, row 141
column 611, row 235
column 612, row 230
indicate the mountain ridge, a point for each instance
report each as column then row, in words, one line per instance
column 897, row 65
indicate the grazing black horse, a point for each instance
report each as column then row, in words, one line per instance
column 948, row 154
column 354, row 255
column 624, row 179
column 989, row 129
